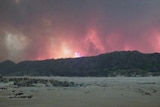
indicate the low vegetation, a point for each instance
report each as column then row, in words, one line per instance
column 29, row 82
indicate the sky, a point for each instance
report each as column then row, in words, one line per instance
column 51, row 29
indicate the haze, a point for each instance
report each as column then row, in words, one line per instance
column 44, row 29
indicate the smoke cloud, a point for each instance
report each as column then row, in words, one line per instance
column 43, row 29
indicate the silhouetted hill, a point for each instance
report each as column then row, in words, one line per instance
column 6, row 67
column 127, row 63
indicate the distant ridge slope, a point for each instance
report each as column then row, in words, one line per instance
column 124, row 63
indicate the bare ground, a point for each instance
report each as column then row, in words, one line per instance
column 94, row 92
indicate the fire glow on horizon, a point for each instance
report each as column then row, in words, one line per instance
column 37, row 30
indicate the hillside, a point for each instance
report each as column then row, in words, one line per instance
column 126, row 63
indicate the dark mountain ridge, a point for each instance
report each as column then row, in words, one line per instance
column 126, row 63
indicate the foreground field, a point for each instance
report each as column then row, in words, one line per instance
column 86, row 92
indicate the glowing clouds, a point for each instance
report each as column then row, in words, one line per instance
column 113, row 41
column 93, row 42
column 62, row 49
column 65, row 51
column 155, row 41
column 16, row 44
column 44, row 29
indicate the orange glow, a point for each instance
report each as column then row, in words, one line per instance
column 155, row 40
column 63, row 50
column 92, row 39
column 113, row 41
